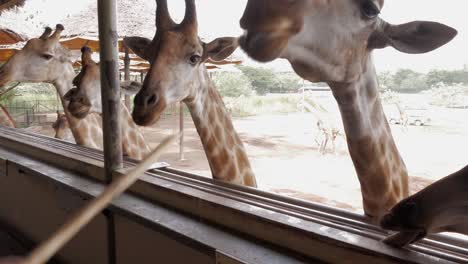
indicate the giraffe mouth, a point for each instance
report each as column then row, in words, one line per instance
column 80, row 111
column 263, row 46
column 145, row 120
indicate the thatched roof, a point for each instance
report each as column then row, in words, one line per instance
column 7, row 4
column 134, row 17
column 27, row 21
column 8, row 37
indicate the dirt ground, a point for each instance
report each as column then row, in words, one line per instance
column 285, row 157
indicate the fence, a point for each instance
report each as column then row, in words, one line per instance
column 42, row 112
column 38, row 112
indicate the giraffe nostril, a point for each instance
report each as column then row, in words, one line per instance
column 152, row 99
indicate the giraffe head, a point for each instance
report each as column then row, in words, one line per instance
column 331, row 40
column 60, row 125
column 42, row 59
column 86, row 97
column 177, row 57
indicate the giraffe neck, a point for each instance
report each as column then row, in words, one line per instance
column 379, row 166
column 87, row 131
column 133, row 142
column 5, row 118
column 224, row 150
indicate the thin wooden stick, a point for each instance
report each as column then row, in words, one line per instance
column 49, row 247
column 9, row 89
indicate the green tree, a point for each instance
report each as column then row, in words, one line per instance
column 288, row 82
column 435, row 77
column 386, row 81
column 263, row 80
column 406, row 80
column 232, row 84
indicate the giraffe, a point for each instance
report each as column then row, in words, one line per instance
column 62, row 128
column 5, row 118
column 440, row 207
column 327, row 127
column 86, row 98
column 403, row 117
column 44, row 59
column 178, row 74
column 332, row 41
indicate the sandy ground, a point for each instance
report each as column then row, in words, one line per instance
column 285, row 157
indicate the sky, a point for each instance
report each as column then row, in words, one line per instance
column 221, row 17
column 218, row 18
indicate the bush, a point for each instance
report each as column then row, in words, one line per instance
column 449, row 96
column 232, row 84
column 262, row 80
column 269, row 104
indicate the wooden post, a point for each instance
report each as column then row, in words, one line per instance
column 110, row 93
column 127, row 74
column 181, row 131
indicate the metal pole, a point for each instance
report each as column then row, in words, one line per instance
column 181, row 131
column 110, row 93
column 110, row 86
column 127, row 74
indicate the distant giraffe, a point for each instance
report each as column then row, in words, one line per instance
column 327, row 127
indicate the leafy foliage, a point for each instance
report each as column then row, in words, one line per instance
column 265, row 80
column 409, row 81
column 232, row 84
column 450, row 96
column 261, row 79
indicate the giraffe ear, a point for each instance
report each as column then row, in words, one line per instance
column 220, row 48
column 414, row 37
column 139, row 46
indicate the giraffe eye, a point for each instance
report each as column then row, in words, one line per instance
column 370, row 10
column 194, row 59
column 46, row 56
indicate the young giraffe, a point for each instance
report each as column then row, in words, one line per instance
column 5, row 118
column 43, row 59
column 332, row 41
column 86, row 98
column 62, row 128
column 178, row 73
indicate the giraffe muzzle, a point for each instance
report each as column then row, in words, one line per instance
column 263, row 46
column 148, row 108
